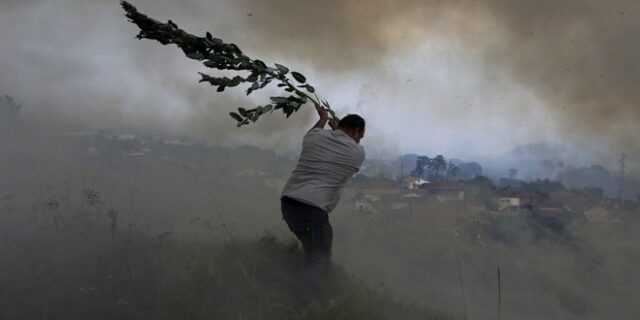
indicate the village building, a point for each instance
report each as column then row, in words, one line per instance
column 508, row 204
column 529, row 199
column 598, row 214
column 413, row 183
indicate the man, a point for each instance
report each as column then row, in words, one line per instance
column 329, row 158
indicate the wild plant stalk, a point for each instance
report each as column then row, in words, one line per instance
column 130, row 201
column 131, row 217
column 464, row 300
column 499, row 295
column 112, row 215
column 217, row 54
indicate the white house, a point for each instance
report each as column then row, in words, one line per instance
column 415, row 183
column 508, row 203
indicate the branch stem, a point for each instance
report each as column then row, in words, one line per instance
column 287, row 81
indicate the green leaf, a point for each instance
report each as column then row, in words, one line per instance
column 253, row 87
column 221, row 88
column 243, row 122
column 267, row 108
column 294, row 103
column 260, row 64
column 211, row 64
column 216, row 41
column 288, row 110
column 252, row 77
column 299, row 77
column 308, row 87
column 279, row 99
column 282, row 68
column 236, row 49
column 235, row 116
column 195, row 55
column 243, row 112
column 265, row 83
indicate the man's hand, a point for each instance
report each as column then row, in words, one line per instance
column 324, row 117
column 322, row 112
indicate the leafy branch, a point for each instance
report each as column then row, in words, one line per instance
column 217, row 54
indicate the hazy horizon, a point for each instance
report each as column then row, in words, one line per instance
column 465, row 79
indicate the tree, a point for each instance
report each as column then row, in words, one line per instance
column 544, row 187
column 469, row 170
column 437, row 165
column 452, row 170
column 217, row 54
column 421, row 163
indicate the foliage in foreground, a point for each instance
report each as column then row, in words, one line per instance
column 217, row 54
column 84, row 276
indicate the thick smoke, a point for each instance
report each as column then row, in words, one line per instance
column 466, row 79
column 578, row 57
column 486, row 75
column 77, row 64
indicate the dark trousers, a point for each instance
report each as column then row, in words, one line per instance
column 311, row 226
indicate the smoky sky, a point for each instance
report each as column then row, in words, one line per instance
column 459, row 77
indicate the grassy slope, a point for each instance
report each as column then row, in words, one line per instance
column 84, row 276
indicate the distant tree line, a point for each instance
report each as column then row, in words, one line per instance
column 436, row 168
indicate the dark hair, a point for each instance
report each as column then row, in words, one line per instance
column 352, row 121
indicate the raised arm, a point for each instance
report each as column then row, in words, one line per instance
column 324, row 118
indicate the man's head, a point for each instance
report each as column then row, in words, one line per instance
column 353, row 125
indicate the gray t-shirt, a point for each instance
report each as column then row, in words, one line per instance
column 327, row 161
